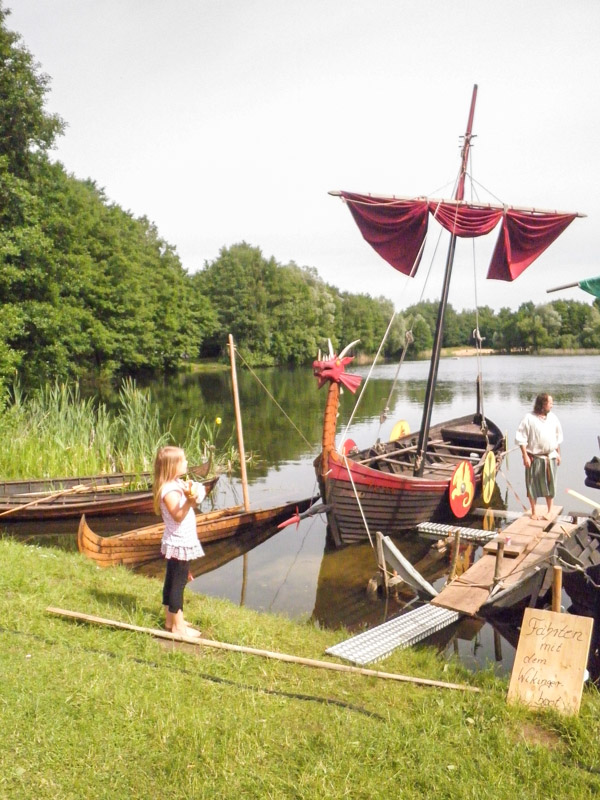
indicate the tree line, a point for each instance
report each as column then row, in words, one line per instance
column 88, row 289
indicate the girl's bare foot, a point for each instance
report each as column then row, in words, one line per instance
column 186, row 632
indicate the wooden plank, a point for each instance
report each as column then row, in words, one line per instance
column 510, row 550
column 469, row 592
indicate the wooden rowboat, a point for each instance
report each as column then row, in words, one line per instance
column 143, row 544
column 94, row 495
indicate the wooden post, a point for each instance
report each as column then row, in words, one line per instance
column 454, row 560
column 499, row 560
column 238, row 422
column 556, row 588
column 381, row 561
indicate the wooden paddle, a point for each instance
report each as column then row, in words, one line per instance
column 583, row 497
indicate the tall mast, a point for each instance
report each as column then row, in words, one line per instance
column 439, row 329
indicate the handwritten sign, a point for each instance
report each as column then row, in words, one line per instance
column 550, row 660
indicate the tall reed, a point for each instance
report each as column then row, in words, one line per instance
column 55, row 432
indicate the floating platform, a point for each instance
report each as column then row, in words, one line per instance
column 528, row 549
column 529, row 545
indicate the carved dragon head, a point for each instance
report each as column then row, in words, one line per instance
column 332, row 369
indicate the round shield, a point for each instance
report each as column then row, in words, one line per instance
column 401, row 428
column 347, row 445
column 488, row 477
column 462, row 489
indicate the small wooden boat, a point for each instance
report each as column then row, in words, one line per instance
column 94, row 495
column 579, row 557
column 143, row 544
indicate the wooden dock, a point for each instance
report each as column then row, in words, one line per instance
column 528, row 545
column 487, row 585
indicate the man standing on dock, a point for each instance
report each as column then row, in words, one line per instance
column 539, row 436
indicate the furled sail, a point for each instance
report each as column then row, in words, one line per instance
column 396, row 229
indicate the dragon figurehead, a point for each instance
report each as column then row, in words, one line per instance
column 332, row 369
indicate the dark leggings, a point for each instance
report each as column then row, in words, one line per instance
column 176, row 577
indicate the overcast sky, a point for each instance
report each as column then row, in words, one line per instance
column 229, row 120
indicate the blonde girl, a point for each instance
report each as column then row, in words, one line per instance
column 175, row 500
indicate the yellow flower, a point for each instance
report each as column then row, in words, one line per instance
column 218, row 420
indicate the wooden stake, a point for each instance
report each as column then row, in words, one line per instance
column 308, row 662
column 238, row 422
column 499, row 559
column 556, row 588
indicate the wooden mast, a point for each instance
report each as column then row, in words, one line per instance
column 238, row 422
column 439, row 329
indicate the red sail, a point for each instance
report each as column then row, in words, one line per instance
column 523, row 237
column 396, row 229
column 465, row 221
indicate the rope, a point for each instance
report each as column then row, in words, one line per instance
column 508, row 483
column 383, row 416
column 362, row 391
column 386, row 334
column 364, row 519
column 291, row 421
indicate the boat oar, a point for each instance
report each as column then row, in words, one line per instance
column 583, row 497
column 237, row 648
column 321, row 508
column 46, row 497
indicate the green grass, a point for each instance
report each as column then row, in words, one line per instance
column 91, row 712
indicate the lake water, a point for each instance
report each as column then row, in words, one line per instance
column 295, row 572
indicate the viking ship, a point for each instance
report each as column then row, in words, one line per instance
column 394, row 486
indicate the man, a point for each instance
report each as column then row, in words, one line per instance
column 539, row 436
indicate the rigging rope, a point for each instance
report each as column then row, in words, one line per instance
column 291, row 421
column 364, row 519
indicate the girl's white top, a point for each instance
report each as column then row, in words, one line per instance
column 180, row 539
column 540, row 436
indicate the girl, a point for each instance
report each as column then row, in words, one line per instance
column 175, row 500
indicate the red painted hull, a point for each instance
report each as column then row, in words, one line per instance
column 392, row 502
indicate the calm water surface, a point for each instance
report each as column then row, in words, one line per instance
column 294, row 572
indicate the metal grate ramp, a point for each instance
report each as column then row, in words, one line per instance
column 402, row 631
column 437, row 530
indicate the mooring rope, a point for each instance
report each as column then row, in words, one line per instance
column 291, row 421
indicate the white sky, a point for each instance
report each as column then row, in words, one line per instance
column 229, row 120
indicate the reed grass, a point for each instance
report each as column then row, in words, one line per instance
column 55, row 432
column 91, row 712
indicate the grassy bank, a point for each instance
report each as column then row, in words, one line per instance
column 90, row 712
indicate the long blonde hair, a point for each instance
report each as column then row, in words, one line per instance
column 165, row 469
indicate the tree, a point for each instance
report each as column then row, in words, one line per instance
column 26, row 129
